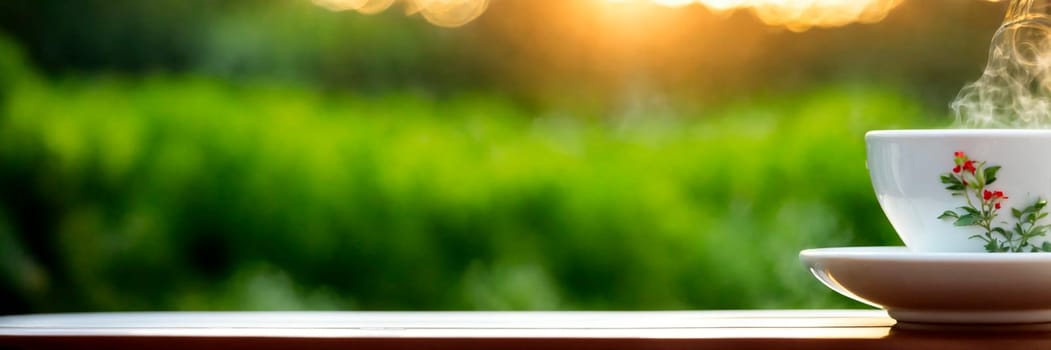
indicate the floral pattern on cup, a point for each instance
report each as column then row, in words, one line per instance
column 971, row 179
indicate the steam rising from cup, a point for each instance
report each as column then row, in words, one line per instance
column 1015, row 89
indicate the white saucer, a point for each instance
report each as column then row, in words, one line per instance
column 970, row 288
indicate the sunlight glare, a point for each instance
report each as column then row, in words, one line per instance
column 674, row 3
column 796, row 15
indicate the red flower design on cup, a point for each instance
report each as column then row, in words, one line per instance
column 970, row 179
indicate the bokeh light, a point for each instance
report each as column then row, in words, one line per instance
column 801, row 14
column 795, row 15
column 451, row 13
column 445, row 13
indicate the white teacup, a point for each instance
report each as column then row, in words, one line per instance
column 907, row 169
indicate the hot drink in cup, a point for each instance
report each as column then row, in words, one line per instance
column 980, row 189
column 964, row 190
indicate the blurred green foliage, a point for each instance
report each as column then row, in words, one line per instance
column 269, row 154
column 178, row 191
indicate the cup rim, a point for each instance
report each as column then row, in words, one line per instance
column 927, row 133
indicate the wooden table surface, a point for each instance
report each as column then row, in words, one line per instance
column 767, row 329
